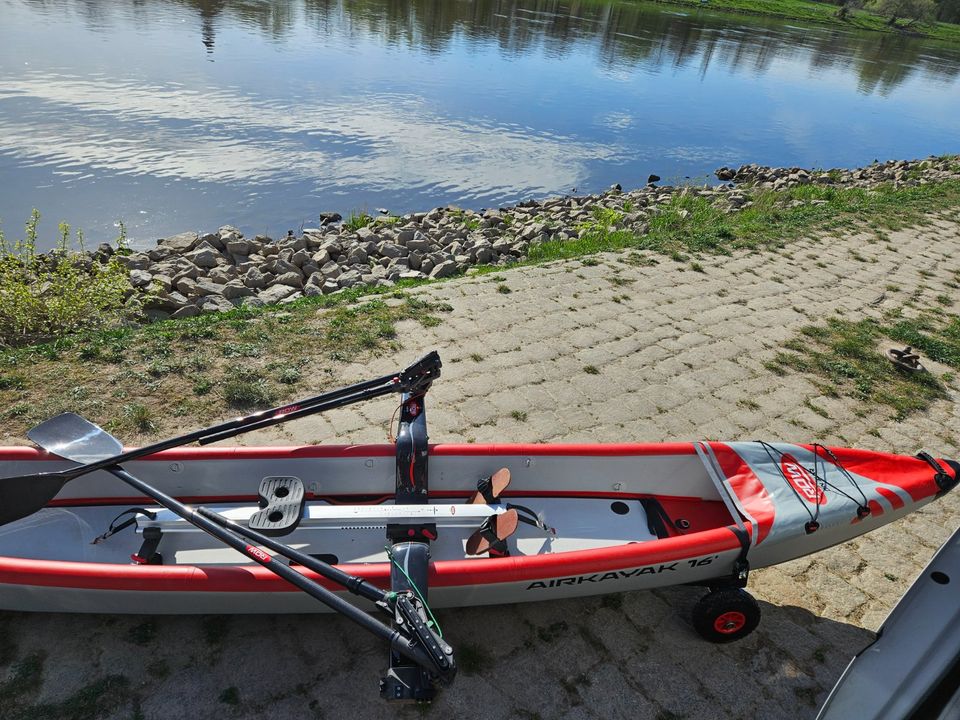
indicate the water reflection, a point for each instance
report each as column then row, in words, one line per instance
column 189, row 113
column 167, row 131
column 625, row 34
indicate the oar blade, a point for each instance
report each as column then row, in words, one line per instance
column 24, row 495
column 75, row 438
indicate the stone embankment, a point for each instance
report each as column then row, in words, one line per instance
column 189, row 273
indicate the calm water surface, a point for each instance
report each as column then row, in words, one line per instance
column 188, row 114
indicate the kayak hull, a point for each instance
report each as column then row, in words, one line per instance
column 714, row 504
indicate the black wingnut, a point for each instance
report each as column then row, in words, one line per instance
column 281, row 505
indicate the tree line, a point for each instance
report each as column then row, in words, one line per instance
column 909, row 10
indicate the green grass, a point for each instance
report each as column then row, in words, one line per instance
column 141, row 381
column 689, row 224
column 851, row 356
column 822, row 13
column 357, row 220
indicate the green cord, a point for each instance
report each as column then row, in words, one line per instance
column 415, row 589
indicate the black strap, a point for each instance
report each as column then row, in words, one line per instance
column 485, row 488
column 942, row 477
column 498, row 547
column 113, row 529
column 528, row 516
column 741, row 566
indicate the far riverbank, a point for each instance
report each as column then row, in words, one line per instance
column 826, row 14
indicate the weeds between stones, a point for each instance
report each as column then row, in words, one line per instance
column 47, row 295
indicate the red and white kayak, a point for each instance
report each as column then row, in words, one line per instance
column 612, row 518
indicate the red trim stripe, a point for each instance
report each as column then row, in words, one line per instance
column 896, row 502
column 453, row 573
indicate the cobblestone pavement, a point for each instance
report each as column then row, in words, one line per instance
column 679, row 354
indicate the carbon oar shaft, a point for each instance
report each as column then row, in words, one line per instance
column 401, row 644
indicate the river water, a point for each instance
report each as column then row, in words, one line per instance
column 187, row 114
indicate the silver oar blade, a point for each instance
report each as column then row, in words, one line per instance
column 75, row 438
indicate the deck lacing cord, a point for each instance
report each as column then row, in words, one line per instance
column 433, row 621
column 814, row 523
column 863, row 508
column 114, row 528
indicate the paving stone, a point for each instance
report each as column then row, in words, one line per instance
column 681, row 358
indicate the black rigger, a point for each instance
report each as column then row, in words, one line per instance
column 74, row 438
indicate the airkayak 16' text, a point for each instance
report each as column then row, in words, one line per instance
column 622, row 574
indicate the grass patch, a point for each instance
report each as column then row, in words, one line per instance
column 850, row 356
column 689, row 224
column 519, row 415
column 140, row 382
column 357, row 220
column 591, row 370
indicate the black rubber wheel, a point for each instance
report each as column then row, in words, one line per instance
column 722, row 616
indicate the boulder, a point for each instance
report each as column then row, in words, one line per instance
column 349, row 279
column 186, row 285
column 205, row 288
column 276, row 293
column 214, row 303
column 165, row 282
column 161, row 252
column 239, row 246
column 357, row 256
column 140, row 278
column 236, row 289
column 187, row 311
column 180, row 244
column 206, row 257
column 444, row 269
column 301, row 258
column 135, row 261
column 290, row 279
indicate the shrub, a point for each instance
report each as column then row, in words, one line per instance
column 47, row 295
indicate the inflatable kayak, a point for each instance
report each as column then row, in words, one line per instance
column 90, row 527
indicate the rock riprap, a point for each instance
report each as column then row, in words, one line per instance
column 189, row 273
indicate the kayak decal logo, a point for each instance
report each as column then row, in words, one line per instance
column 622, row 574
column 802, row 481
column 258, row 554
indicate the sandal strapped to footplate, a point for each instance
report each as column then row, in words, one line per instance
column 492, row 536
column 489, row 489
